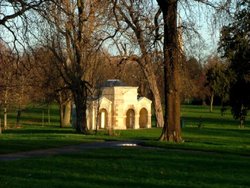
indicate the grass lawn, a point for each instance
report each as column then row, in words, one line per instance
column 216, row 153
column 128, row 168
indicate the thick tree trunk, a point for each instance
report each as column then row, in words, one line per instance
column 61, row 116
column 171, row 130
column 67, row 113
column 81, row 121
column 80, row 99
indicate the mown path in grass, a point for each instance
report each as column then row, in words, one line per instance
column 94, row 145
column 67, row 149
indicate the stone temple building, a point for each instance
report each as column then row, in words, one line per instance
column 119, row 107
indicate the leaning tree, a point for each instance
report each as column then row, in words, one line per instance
column 134, row 29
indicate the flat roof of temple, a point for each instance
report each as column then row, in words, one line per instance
column 113, row 83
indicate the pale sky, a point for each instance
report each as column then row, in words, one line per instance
column 196, row 14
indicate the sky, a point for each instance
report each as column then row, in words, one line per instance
column 197, row 16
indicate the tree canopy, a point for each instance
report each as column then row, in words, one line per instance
column 218, row 79
column 234, row 45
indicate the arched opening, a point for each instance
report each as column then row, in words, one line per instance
column 143, row 119
column 103, row 119
column 130, row 119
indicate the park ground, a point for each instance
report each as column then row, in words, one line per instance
column 215, row 153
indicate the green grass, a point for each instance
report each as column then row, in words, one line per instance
column 100, row 168
column 34, row 115
column 37, row 137
column 219, row 133
column 214, row 154
column 194, row 115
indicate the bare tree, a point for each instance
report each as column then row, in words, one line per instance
column 133, row 21
column 6, row 74
column 14, row 20
column 14, row 84
column 69, row 34
column 49, row 84
column 169, row 8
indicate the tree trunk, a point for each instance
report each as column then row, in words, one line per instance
column 5, row 118
column 61, row 115
column 0, row 126
column 43, row 118
column 156, row 94
column 171, row 130
column 67, row 113
column 18, row 117
column 158, row 106
column 48, row 114
column 61, row 109
column 81, row 121
column 242, row 116
column 5, row 114
column 146, row 64
column 80, row 99
column 148, row 70
column 211, row 101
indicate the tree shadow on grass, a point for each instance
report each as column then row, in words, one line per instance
column 39, row 130
column 128, row 168
column 194, row 121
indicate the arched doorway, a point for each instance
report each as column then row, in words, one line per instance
column 103, row 119
column 130, row 119
column 143, row 119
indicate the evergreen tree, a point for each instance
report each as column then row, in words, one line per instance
column 234, row 45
